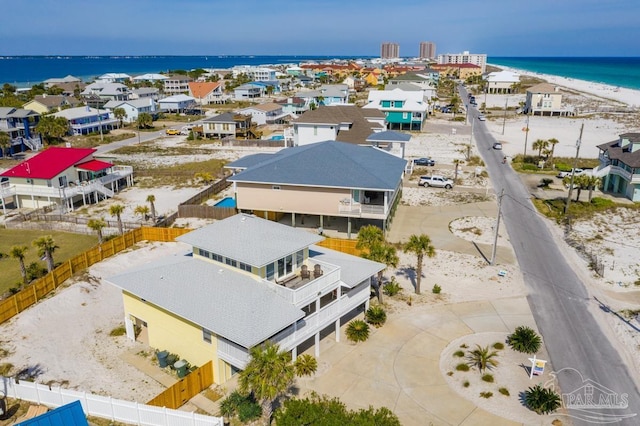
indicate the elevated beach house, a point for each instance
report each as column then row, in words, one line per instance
column 63, row 177
column 404, row 110
column 545, row 99
column 240, row 282
column 85, row 120
column 19, row 124
column 322, row 180
column 620, row 166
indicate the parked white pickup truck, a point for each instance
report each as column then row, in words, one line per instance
column 436, row 181
column 578, row 172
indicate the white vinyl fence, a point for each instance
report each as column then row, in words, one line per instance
column 105, row 407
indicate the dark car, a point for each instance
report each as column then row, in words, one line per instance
column 424, row 161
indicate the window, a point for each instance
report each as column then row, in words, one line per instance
column 206, row 335
column 244, row 266
column 270, row 271
column 231, row 262
column 299, row 258
column 217, row 257
column 276, row 187
column 405, row 115
column 204, row 253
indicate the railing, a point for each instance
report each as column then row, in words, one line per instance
column 232, row 353
column 617, row 170
column 349, row 207
column 306, row 293
column 115, row 410
column 372, row 209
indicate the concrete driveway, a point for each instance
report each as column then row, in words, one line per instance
column 398, row 367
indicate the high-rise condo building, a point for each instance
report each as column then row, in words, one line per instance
column 390, row 50
column 464, row 58
column 427, row 50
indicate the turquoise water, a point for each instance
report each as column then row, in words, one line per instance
column 226, row 202
column 619, row 72
column 277, row 137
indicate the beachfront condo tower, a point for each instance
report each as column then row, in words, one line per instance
column 464, row 58
column 427, row 50
column 389, row 50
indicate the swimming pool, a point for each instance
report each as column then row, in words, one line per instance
column 226, row 202
column 277, row 137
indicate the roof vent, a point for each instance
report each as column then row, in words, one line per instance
column 220, row 270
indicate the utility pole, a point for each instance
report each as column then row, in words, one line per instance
column 495, row 236
column 573, row 170
column 504, row 118
column 526, row 135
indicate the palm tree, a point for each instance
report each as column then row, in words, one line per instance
column 368, row 236
column 541, row 400
column 456, row 162
column 145, row 120
column 120, row 114
column 143, row 211
column 116, row 210
column 52, row 128
column 482, row 358
column 383, row 253
column 552, row 142
column 305, row 365
column 151, row 199
column 268, row 375
column 97, row 225
column 357, row 331
column 540, row 144
column 524, row 339
column 46, row 247
column 420, row 245
column 5, row 142
column 19, row 253
column 592, row 182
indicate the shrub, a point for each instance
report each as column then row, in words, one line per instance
column 563, row 167
column 541, row 400
column 486, row 395
column 462, row 367
column 5, row 369
column 249, row 410
column 482, row 357
column 357, row 331
column 449, row 373
column 504, row 391
column 118, row 331
column 602, row 203
column 498, row 345
column 458, row 354
column 487, row 378
column 436, row 289
column 392, row 288
column 244, row 406
column 35, row 271
column 465, row 384
column 545, row 182
column 305, row 365
column 464, row 346
column 530, row 167
column 376, row 316
column 524, row 339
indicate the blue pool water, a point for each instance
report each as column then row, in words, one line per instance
column 277, row 137
column 226, row 202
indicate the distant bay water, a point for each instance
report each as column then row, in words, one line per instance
column 619, row 72
column 25, row 71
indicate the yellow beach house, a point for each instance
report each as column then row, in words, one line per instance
column 240, row 282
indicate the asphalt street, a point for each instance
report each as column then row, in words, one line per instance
column 579, row 350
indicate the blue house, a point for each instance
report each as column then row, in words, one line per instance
column 620, row 166
column 20, row 125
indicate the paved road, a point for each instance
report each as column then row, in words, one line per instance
column 558, row 299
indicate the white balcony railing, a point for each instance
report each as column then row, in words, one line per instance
column 234, row 354
column 625, row 174
column 329, row 280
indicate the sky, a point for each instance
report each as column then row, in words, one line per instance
column 319, row 27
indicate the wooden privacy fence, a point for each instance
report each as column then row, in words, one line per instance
column 345, row 246
column 188, row 387
column 205, row 212
column 38, row 289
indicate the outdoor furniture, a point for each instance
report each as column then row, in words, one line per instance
column 317, row 272
column 304, row 272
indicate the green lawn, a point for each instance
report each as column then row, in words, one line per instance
column 69, row 245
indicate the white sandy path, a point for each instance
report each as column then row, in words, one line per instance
column 67, row 335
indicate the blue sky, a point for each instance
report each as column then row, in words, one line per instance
column 320, row 27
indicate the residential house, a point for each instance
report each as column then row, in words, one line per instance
column 501, row 81
column 44, row 104
column 426, row 79
column 545, row 99
column 71, row 88
column 206, row 93
column 86, row 120
column 404, row 110
column 255, row 73
column 620, row 166
column 50, row 82
column 240, row 282
column 374, row 77
column 328, row 94
column 248, row 91
column 231, row 125
column 20, row 125
column 150, row 77
column 268, row 113
column 113, row 77
column 354, row 83
column 133, row 108
column 177, row 84
column 177, row 103
column 293, row 106
column 390, row 141
column 107, row 91
column 63, row 177
column 323, row 179
column 145, row 93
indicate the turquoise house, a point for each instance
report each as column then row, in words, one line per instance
column 620, row 166
column 404, row 110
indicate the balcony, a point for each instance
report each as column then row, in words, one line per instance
column 301, row 291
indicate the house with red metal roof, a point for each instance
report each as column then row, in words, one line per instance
column 64, row 177
column 207, row 92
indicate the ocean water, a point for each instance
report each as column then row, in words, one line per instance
column 619, row 72
column 25, row 71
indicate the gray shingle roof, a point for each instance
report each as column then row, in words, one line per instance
column 248, row 161
column 231, row 304
column 328, row 164
column 616, row 152
column 226, row 117
column 250, row 239
column 389, row 136
column 360, row 126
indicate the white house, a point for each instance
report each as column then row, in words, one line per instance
column 85, row 120
column 177, row 103
column 133, row 108
column 269, row 113
column 113, row 77
column 107, row 91
column 501, row 81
